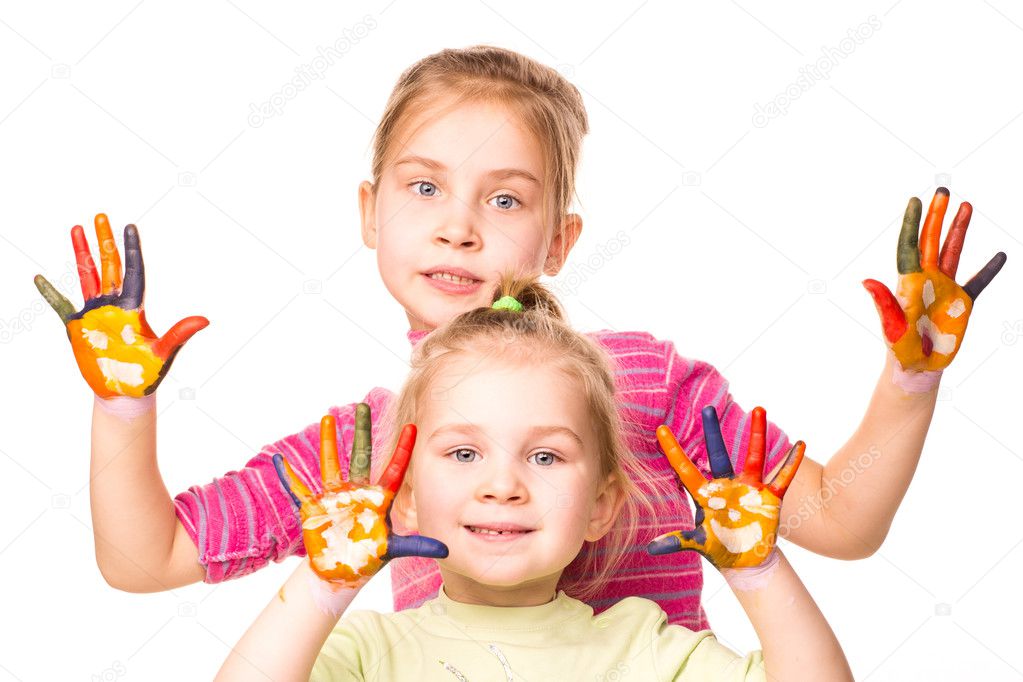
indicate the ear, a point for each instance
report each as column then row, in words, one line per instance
column 610, row 499
column 561, row 245
column 403, row 511
column 367, row 209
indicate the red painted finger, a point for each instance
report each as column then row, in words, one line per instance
column 753, row 469
column 687, row 472
column 948, row 263
column 930, row 235
column 893, row 318
column 109, row 257
column 330, row 466
column 177, row 335
column 88, row 276
column 395, row 472
column 781, row 482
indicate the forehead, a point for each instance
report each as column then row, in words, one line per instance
column 504, row 395
column 475, row 136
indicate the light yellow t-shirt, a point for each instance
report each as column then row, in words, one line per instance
column 562, row 640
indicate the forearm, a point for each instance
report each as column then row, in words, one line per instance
column 796, row 640
column 845, row 508
column 283, row 642
column 134, row 522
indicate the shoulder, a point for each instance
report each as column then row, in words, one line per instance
column 635, row 611
column 616, row 341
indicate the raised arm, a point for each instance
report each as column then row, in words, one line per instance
column 735, row 529
column 140, row 545
column 845, row 508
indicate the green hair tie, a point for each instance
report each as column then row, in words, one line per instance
column 507, row 303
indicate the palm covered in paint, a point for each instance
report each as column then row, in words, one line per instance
column 925, row 321
column 345, row 527
column 736, row 522
column 116, row 350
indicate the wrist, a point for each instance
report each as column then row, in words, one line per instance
column 330, row 598
column 125, row 407
column 754, row 577
column 909, row 381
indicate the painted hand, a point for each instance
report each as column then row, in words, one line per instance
column 346, row 528
column 116, row 350
column 925, row 321
column 736, row 520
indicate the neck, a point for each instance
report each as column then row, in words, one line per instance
column 531, row 593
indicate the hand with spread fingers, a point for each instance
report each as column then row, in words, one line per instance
column 924, row 322
column 736, row 520
column 116, row 350
column 346, row 528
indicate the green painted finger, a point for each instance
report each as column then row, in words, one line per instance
column 909, row 252
column 362, row 447
column 57, row 300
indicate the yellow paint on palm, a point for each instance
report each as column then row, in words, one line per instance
column 345, row 532
column 736, row 524
column 113, row 352
column 741, row 525
column 924, row 323
column 937, row 311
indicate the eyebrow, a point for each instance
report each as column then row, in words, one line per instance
column 472, row 429
column 497, row 174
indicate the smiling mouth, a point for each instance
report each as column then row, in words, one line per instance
column 456, row 279
column 490, row 531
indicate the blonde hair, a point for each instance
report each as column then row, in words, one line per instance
column 540, row 334
column 547, row 105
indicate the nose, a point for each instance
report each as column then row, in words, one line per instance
column 458, row 227
column 502, row 483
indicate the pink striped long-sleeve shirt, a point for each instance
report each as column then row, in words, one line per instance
column 242, row 521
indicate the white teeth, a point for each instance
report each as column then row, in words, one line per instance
column 452, row 278
column 487, row 531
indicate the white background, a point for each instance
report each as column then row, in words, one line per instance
column 747, row 245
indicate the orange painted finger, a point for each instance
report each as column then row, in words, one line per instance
column 177, row 335
column 953, row 246
column 930, row 235
column 687, row 472
column 330, row 466
column 88, row 276
column 753, row 469
column 781, row 482
column 395, row 472
column 109, row 257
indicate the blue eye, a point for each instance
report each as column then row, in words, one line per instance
column 506, row 201
column 426, row 189
column 460, row 452
column 545, row 459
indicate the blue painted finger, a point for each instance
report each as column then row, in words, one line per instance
column 717, row 455
column 414, row 545
column 282, row 474
column 987, row 273
column 134, row 284
column 676, row 542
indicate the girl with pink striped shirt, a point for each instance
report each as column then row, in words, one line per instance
column 473, row 173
